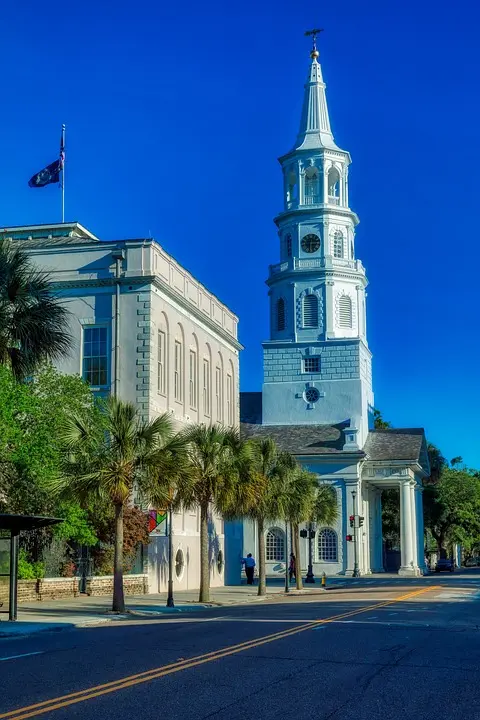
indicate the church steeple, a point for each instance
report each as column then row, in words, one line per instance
column 315, row 131
column 317, row 362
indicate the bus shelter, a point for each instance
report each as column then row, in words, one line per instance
column 10, row 528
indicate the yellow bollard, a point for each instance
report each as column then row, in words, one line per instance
column 324, row 581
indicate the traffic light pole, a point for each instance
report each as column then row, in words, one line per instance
column 356, row 571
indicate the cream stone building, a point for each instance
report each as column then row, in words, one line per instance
column 146, row 328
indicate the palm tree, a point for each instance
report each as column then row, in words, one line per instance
column 111, row 459
column 325, row 509
column 219, row 478
column 272, row 468
column 33, row 323
column 301, row 494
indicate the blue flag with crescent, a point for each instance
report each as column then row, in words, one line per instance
column 51, row 173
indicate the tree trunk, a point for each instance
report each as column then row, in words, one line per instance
column 204, row 595
column 262, row 571
column 298, row 562
column 118, row 604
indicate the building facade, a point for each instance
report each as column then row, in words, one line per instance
column 317, row 397
column 146, row 328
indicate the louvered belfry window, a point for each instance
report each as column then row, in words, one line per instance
column 345, row 312
column 310, row 311
column 281, row 314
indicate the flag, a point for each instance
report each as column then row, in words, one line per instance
column 51, row 173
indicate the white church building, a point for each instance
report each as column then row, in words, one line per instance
column 317, row 397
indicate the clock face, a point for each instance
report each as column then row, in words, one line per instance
column 310, row 243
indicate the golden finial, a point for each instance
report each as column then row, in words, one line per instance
column 314, row 52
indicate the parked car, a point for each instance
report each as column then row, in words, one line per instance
column 472, row 562
column 444, row 564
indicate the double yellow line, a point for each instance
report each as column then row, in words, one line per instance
column 41, row 708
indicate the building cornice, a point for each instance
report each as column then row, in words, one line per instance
column 157, row 282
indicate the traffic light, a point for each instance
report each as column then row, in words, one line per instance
column 349, row 538
column 360, row 520
column 352, row 520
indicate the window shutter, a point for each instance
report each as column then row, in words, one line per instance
column 310, row 311
column 281, row 314
column 345, row 312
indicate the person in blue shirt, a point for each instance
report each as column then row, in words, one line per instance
column 249, row 563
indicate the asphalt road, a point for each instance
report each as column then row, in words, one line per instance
column 367, row 650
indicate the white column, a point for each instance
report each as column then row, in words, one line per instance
column 413, row 506
column 341, row 189
column 406, row 530
column 364, row 532
column 420, row 528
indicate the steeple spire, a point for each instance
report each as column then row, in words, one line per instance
column 315, row 131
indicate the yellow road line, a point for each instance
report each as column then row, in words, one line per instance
column 40, row 708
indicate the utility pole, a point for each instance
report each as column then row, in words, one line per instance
column 356, row 571
column 170, row 602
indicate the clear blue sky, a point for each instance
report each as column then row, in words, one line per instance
column 176, row 114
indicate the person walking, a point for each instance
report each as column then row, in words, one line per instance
column 249, row 563
column 292, row 568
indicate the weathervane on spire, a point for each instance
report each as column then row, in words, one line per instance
column 313, row 33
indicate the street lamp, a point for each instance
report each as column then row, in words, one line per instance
column 312, row 529
column 287, row 584
column 356, row 571
column 170, row 602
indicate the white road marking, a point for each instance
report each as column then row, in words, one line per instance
column 14, row 657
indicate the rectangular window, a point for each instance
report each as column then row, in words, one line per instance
column 178, row 372
column 230, row 400
column 95, row 356
column 161, row 364
column 207, row 409
column 311, row 365
column 193, row 379
column 218, row 394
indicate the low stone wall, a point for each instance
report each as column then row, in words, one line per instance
column 132, row 585
column 59, row 588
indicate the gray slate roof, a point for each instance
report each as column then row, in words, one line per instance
column 396, row 444
column 300, row 439
column 392, row 444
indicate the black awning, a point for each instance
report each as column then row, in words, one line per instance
column 17, row 523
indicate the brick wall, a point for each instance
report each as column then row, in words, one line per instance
column 338, row 361
column 133, row 585
column 58, row 588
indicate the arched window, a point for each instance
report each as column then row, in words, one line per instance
column 288, row 245
column 275, row 545
column 281, row 314
column 345, row 312
column 338, row 246
column 291, row 187
column 327, row 545
column 310, row 311
column 333, row 186
column 312, row 190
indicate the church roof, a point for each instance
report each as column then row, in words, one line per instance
column 407, row 444
column 315, row 131
column 300, row 439
column 396, row 444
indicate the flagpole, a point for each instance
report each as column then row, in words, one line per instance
column 63, row 174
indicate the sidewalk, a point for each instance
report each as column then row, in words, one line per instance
column 84, row 611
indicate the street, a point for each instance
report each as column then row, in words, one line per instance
column 368, row 649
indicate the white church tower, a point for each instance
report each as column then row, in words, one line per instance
column 317, row 365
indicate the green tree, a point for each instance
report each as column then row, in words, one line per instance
column 33, row 322
column 452, row 508
column 378, row 422
column 31, row 417
column 300, row 503
column 271, row 467
column 219, row 478
column 108, row 461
